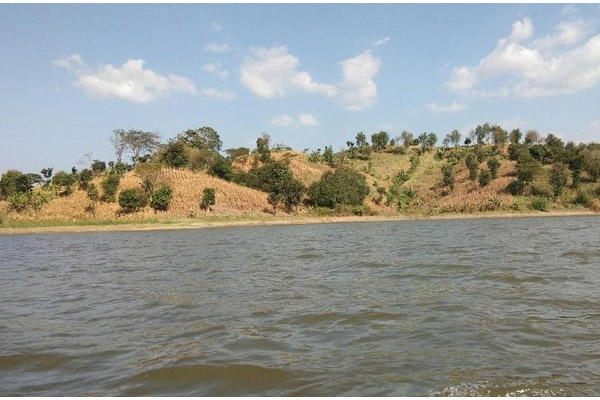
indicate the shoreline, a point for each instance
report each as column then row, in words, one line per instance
column 197, row 223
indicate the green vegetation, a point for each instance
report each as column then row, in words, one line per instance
column 494, row 170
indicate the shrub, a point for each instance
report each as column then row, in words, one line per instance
column 539, row 203
column 584, row 198
column 18, row 202
column 98, row 167
column 516, row 187
column 174, row 154
column 342, row 186
column 13, row 182
column 110, row 186
column 485, row 177
column 208, row 199
column 401, row 177
column 84, row 178
column 559, row 178
column 473, row 165
column 161, row 199
column 493, row 166
column 132, row 200
column 92, row 192
column 222, row 168
column 38, row 199
column 448, row 176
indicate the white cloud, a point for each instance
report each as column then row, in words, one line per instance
column 303, row 120
column 358, row 91
column 307, row 120
column 73, row 62
column 216, row 27
column 219, row 94
column 545, row 67
column 215, row 70
column 282, row 120
column 381, row 42
column 217, row 47
column 447, row 108
column 130, row 81
column 273, row 72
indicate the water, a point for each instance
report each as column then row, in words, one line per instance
column 457, row 307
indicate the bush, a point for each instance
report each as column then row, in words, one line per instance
column 18, row 202
column 584, row 198
column 208, row 199
column 342, row 186
column 516, row 187
column 132, row 200
column 493, row 166
column 485, row 177
column 92, row 192
column 38, row 199
column 174, row 155
column 448, row 176
column 84, row 178
column 222, row 168
column 473, row 165
column 161, row 199
column 110, row 186
column 539, row 203
column 560, row 178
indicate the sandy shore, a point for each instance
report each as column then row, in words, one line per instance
column 198, row 223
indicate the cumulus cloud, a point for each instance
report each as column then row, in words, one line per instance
column 219, row 94
column 552, row 65
column 215, row 70
column 358, row 90
column 273, row 72
column 130, row 81
column 447, row 108
column 381, row 42
column 217, row 47
column 303, row 120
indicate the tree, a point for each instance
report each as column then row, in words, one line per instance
column 98, row 167
column 262, row 147
column 484, row 178
column 208, row 199
column 84, row 178
column 110, row 186
column 47, row 174
column 555, row 148
column 591, row 162
column 453, row 137
column 14, row 182
column 499, row 136
column 380, row 140
column 361, row 140
column 63, row 181
column 222, row 168
column 533, row 137
column 559, row 178
column 340, row 187
column 482, row 133
column 205, row 138
column 174, row 154
column 515, row 136
column 135, row 141
column 238, row 152
column 527, row 167
column 407, row 138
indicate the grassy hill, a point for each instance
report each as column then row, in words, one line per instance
column 421, row 178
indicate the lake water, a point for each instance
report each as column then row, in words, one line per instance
column 456, row 307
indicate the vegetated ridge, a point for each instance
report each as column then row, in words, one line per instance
column 490, row 171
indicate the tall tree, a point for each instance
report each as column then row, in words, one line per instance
column 205, row 138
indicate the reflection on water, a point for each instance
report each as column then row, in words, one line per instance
column 472, row 307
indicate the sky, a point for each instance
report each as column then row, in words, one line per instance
column 309, row 75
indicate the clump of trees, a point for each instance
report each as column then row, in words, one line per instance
column 343, row 186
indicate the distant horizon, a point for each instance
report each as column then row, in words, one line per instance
column 309, row 75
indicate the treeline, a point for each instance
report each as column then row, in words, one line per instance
column 545, row 167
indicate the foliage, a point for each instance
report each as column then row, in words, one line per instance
column 92, row 193
column 407, row 138
column 559, row 178
column 584, row 197
column 493, row 165
column 135, row 141
column 401, row 177
column 110, row 186
column 97, row 167
column 485, row 177
column 473, row 166
column 237, row 152
column 14, row 182
column 161, row 198
column 315, row 156
column 328, row 156
column 380, row 140
column 262, row 147
column 174, row 154
column 149, row 173
column 18, row 201
column 515, row 136
column 205, row 138
column 208, row 199
column 84, row 178
column 591, row 162
column 342, row 186
column 63, row 181
column 361, row 140
column 533, row 137
column 222, row 168
column 527, row 167
column 448, row 176
column 452, row 138
column 132, row 200
column 539, row 203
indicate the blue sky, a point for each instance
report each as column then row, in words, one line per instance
column 310, row 75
